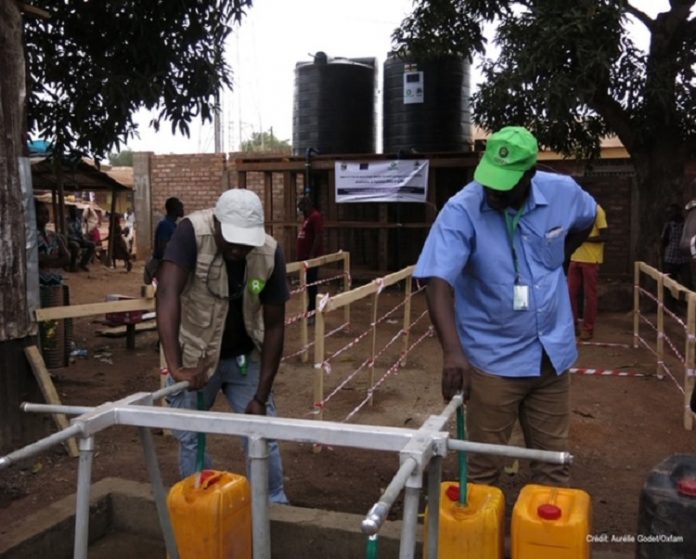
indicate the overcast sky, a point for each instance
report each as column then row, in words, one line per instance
column 263, row 51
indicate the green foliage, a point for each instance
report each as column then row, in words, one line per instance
column 266, row 142
column 121, row 159
column 568, row 70
column 92, row 65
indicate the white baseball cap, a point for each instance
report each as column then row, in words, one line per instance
column 240, row 215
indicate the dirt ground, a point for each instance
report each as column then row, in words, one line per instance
column 621, row 427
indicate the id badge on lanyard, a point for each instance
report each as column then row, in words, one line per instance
column 520, row 292
column 520, row 297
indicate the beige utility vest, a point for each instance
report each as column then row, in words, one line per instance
column 204, row 301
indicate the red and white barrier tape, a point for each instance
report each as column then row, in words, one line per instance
column 604, row 344
column 605, row 372
column 661, row 335
column 664, row 309
column 661, row 365
column 395, row 367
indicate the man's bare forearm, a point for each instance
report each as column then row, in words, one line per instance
column 168, row 321
column 272, row 350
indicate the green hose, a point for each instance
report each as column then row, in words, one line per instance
column 463, row 473
column 372, row 547
column 200, row 454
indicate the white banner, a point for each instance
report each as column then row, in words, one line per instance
column 403, row 180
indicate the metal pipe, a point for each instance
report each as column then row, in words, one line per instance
column 31, row 407
column 84, row 482
column 40, row 445
column 452, row 406
column 171, row 389
column 434, row 481
column 511, row 451
column 409, row 522
column 260, row 518
column 372, row 437
column 158, row 492
column 379, row 511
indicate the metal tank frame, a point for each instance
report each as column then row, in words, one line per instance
column 419, row 450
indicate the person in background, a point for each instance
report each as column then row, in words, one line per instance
column 77, row 241
column 221, row 295
column 120, row 246
column 129, row 217
column 309, row 245
column 675, row 262
column 163, row 233
column 53, row 254
column 498, row 298
column 92, row 221
column 583, row 273
column 166, row 227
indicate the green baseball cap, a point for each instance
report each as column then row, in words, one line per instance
column 509, row 153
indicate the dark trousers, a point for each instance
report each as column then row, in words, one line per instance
column 76, row 245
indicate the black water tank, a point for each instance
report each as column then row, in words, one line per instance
column 667, row 512
column 334, row 105
column 426, row 105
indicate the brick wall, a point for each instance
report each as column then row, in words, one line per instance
column 197, row 180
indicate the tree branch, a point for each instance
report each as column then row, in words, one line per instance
column 32, row 10
column 615, row 116
column 640, row 16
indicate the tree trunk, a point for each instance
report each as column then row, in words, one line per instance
column 660, row 177
column 16, row 380
column 15, row 321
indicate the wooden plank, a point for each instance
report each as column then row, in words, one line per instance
column 290, row 199
column 636, row 303
column 319, row 355
column 660, row 326
column 649, row 270
column 49, row 392
column 332, row 233
column 117, row 331
column 690, row 361
column 357, row 224
column 268, row 202
column 318, row 261
column 90, row 309
column 676, row 288
column 337, row 301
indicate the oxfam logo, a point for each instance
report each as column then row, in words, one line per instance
column 256, row 286
column 503, row 152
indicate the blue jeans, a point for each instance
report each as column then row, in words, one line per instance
column 239, row 390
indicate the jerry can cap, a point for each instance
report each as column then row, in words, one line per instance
column 687, row 486
column 209, row 477
column 453, row 492
column 549, row 512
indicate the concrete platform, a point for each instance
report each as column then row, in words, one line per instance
column 124, row 523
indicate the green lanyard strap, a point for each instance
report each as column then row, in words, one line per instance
column 512, row 223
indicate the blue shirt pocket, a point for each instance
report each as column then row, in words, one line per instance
column 549, row 250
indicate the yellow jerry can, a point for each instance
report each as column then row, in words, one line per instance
column 212, row 521
column 551, row 523
column 472, row 531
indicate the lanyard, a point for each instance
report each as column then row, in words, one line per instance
column 512, row 223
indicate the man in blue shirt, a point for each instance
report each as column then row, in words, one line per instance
column 163, row 233
column 165, row 228
column 498, row 299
